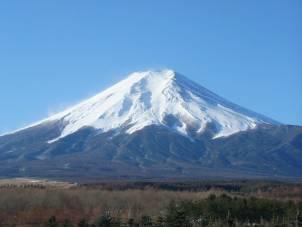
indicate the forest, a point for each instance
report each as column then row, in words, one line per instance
column 158, row 204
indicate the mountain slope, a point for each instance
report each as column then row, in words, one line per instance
column 157, row 98
column 154, row 124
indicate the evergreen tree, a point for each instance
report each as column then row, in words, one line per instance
column 146, row 221
column 177, row 217
column 131, row 222
column 83, row 223
column 52, row 222
column 67, row 223
column 105, row 221
column 160, row 222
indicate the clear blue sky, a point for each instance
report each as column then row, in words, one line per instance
column 55, row 53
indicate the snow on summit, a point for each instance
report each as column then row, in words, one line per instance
column 163, row 98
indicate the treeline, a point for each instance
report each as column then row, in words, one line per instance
column 215, row 210
column 12, row 186
column 228, row 185
column 170, row 186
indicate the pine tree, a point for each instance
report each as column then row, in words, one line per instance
column 67, row 223
column 52, row 222
column 83, row 223
column 104, row 221
column 146, row 221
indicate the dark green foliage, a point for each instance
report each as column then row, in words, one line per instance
column 230, row 210
column 159, row 222
column 176, row 216
column 131, row 222
column 83, row 223
column 67, row 223
column 146, row 221
column 52, row 222
column 105, row 221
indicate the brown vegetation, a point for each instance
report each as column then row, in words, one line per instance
column 37, row 205
column 32, row 204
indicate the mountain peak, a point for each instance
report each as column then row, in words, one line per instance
column 157, row 97
column 164, row 73
column 150, row 77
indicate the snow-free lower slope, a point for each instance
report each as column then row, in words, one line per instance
column 157, row 98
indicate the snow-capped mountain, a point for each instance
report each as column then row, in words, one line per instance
column 158, row 98
column 153, row 124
